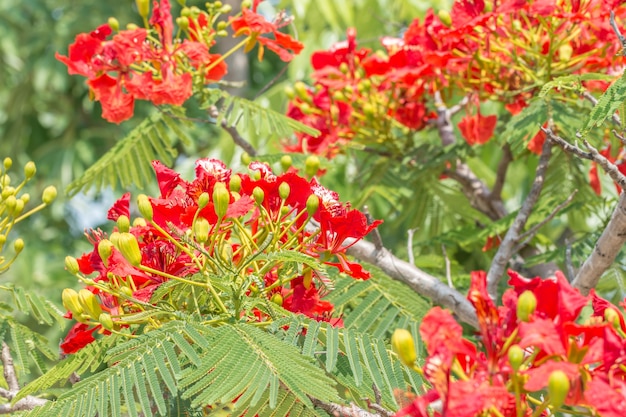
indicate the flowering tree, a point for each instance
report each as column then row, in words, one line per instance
column 252, row 291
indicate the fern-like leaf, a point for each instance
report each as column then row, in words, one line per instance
column 607, row 104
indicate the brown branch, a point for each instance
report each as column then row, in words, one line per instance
column 503, row 166
column 27, row 403
column 238, row 139
column 351, row 410
column 505, row 250
column 476, row 191
column 9, row 368
column 418, row 280
column 375, row 234
column 620, row 37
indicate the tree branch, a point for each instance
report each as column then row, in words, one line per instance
column 505, row 251
column 476, row 191
column 503, row 166
column 27, row 403
column 238, row 139
column 351, row 410
column 418, row 280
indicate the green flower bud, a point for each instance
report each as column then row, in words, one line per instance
column 71, row 264
column 139, row 222
column 185, row 12
column 246, row 4
column 258, row 194
column 29, row 170
column 7, row 191
column 218, row 4
column 106, row 321
column 131, row 26
column 221, row 199
column 612, row 317
column 245, row 159
column 221, row 33
column 49, row 194
column 285, row 162
column 235, row 183
column 123, row 223
column 301, row 90
column 114, row 24
column 25, row 198
column 105, row 248
column 445, row 17
column 277, row 299
column 403, row 345
column 10, row 202
column 3, row 240
column 126, row 291
column 289, row 92
column 516, row 357
column 8, row 163
column 558, row 388
column 115, row 238
column 344, row 68
column 145, row 207
column 5, row 180
column 201, row 229
column 19, row 207
column 129, row 247
column 71, row 303
column 227, row 8
column 90, row 303
column 221, row 25
column 203, row 200
column 565, row 52
column 526, row 305
column 312, row 204
column 311, row 165
column 182, row 22
column 143, row 7
column 284, row 190
column 18, row 245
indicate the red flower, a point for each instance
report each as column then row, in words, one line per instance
column 478, row 129
column 79, row 336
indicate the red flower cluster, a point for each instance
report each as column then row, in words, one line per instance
column 535, row 341
column 498, row 50
column 216, row 223
column 151, row 64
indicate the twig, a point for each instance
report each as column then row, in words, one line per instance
column 620, row 37
column 503, row 166
column 592, row 155
column 9, row 368
column 238, row 139
column 351, row 410
column 418, row 280
column 621, row 138
column 374, row 234
column 505, row 250
column 604, row 253
column 476, row 191
column 409, row 246
column 529, row 234
column 589, row 97
column 27, row 403
column 444, row 124
column 447, row 262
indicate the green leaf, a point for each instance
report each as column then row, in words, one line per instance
column 524, row 125
column 607, row 104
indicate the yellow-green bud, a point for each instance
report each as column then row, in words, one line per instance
column 143, row 7
column 246, row 4
column 5, row 180
column 182, row 22
column 227, row 8
column 71, row 303
column 10, row 201
column 258, row 195
column 285, row 162
column 106, row 321
column 49, row 194
column 18, row 245
column 145, row 207
column 201, row 229
column 221, row 33
column 221, row 199
column 218, row 4
column 612, row 317
column 402, row 343
column 8, row 163
column 235, row 183
column 114, row 24
column 131, row 26
column 277, row 299
column 123, row 223
column 105, row 248
column 558, row 388
column 25, row 198
column 289, row 92
column 186, row 12
column 311, row 165
column 526, row 305
column 203, row 200
column 3, row 240
column 301, row 90
column 129, row 247
column 445, row 17
column 126, row 291
column 312, row 204
column 19, row 207
column 565, row 52
column 71, row 264
column 115, row 238
column 284, row 190
column 139, row 222
column 29, row 170
column 221, row 25
column 90, row 303
column 245, row 159
column 516, row 357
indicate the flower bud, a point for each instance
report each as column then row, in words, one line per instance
column 143, row 7
column 516, row 357
column 29, row 170
column 186, row 12
column 312, row 204
column 8, row 163
column 19, row 207
column 123, row 223
column 558, row 388
column 49, row 194
column 129, row 247
column 18, row 245
column 284, row 190
column 221, row 199
column 245, row 159
column 403, row 345
column 526, row 305
column 71, row 264
column 227, row 8
column 145, row 207
column 105, row 248
column 221, row 33
column 203, row 200
column 612, row 317
column 126, row 291
column 115, row 238
column 246, row 4
column 10, row 202
column 5, row 180
column 25, row 198
column 114, row 24
column 445, row 17
column 3, row 240
column 139, row 222
column 258, row 194
column 201, row 229
column 182, row 22
column 90, row 303
column 311, row 165
column 235, row 183
column 106, row 321
column 71, row 303
column 277, row 299
column 301, row 90
column 131, row 26
column 565, row 52
column 344, row 68
column 289, row 92
column 285, row 162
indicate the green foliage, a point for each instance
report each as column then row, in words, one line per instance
column 572, row 82
column 608, row 103
column 524, row 125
